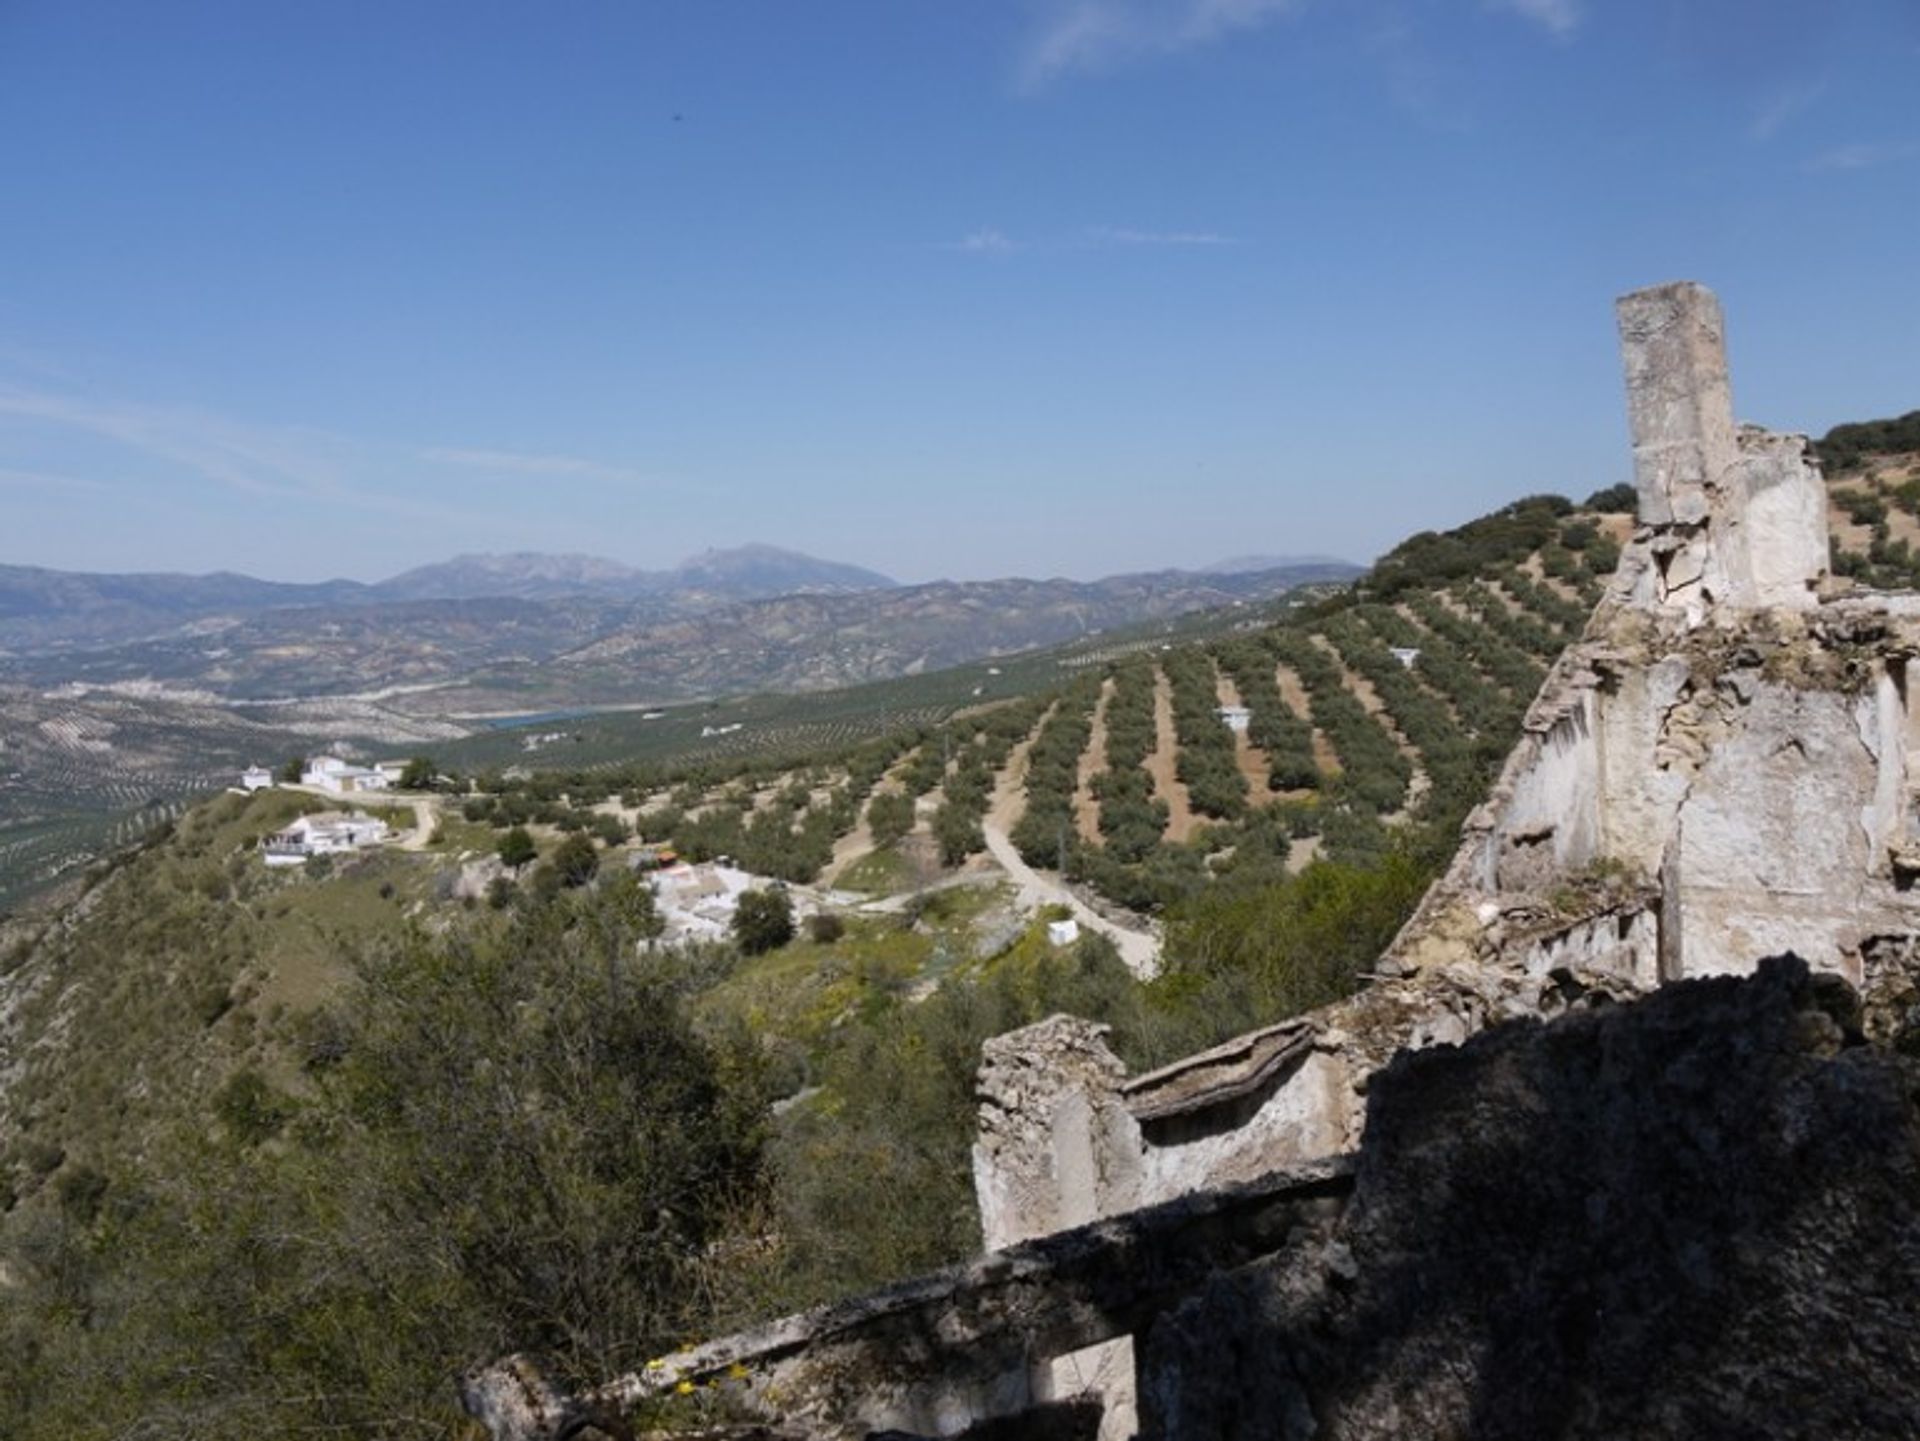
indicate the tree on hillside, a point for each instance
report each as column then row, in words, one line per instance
column 576, row 860
column 889, row 816
column 290, row 773
column 763, row 920
column 417, row 774
column 516, row 847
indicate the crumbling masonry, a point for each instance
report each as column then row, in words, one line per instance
column 1724, row 768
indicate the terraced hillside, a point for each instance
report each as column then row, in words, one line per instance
column 83, row 768
column 1375, row 712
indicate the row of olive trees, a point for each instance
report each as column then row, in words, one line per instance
column 1053, row 773
column 1373, row 771
column 1132, row 818
column 1282, row 736
column 1207, row 765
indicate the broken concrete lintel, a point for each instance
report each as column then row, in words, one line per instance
column 1048, row 1296
column 1227, row 1072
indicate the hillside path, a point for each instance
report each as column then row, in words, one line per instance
column 1139, row 950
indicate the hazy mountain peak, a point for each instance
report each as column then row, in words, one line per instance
column 1252, row 564
column 773, row 570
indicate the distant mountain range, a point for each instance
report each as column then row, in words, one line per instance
column 1250, row 564
column 529, row 631
column 39, row 606
column 748, row 572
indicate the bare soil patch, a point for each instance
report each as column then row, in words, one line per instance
column 1251, row 760
column 1009, row 801
column 1160, row 765
column 1325, row 757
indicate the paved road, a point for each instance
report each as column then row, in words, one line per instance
column 1139, row 950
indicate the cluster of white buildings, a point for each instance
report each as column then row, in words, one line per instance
column 334, row 775
column 325, row 834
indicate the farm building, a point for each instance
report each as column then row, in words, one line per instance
column 1406, row 655
column 325, row 834
column 255, row 778
column 697, row 902
column 330, row 773
column 1235, row 717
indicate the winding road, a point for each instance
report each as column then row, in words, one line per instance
column 1139, row 950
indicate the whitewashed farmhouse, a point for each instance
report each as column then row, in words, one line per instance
column 328, row 833
column 330, row 773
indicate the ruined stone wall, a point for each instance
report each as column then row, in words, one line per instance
column 1718, row 771
column 1538, row 1239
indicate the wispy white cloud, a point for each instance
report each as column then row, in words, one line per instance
column 1865, row 155
column 1785, row 105
column 254, row 461
column 1089, row 36
column 212, row 449
column 987, row 241
column 516, row 462
column 1559, row 18
column 1094, row 35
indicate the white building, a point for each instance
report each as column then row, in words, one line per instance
column 325, row 834
column 697, row 902
column 1236, row 717
column 255, row 778
column 1406, row 655
column 330, row 773
column 1063, row 933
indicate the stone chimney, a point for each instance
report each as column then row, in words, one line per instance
column 1738, row 516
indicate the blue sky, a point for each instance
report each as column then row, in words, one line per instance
column 943, row 287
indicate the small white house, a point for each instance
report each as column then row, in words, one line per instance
column 1406, row 655
column 255, row 778
column 325, row 834
column 1063, row 933
column 392, row 770
column 1235, row 717
column 697, row 902
column 330, row 773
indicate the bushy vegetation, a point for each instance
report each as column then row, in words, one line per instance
column 1845, row 447
column 1433, row 558
column 493, row 1139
